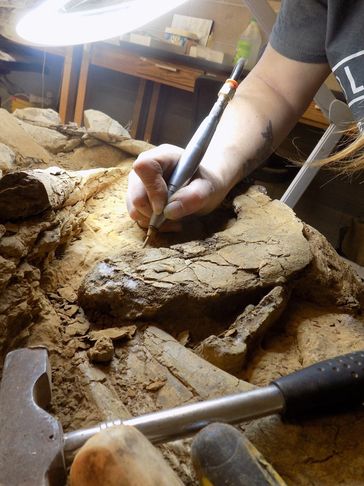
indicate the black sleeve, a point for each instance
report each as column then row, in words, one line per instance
column 300, row 30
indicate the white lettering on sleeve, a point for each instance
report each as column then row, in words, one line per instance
column 347, row 59
column 355, row 89
column 355, row 100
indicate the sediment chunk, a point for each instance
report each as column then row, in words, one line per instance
column 208, row 283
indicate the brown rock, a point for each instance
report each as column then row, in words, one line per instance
column 203, row 282
column 101, row 126
column 102, row 352
column 7, row 158
column 114, row 333
column 7, row 270
column 51, row 140
column 29, row 193
column 329, row 280
column 133, row 147
column 77, row 329
column 42, row 117
column 23, row 145
column 71, row 310
column 229, row 351
column 20, row 302
column 68, row 293
column 155, row 386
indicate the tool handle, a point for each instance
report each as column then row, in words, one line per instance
column 197, row 146
column 222, row 455
column 333, row 385
column 120, row 457
column 190, row 158
column 194, row 151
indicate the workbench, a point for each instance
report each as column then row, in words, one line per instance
column 151, row 67
column 155, row 67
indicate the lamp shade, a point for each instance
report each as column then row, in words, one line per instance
column 69, row 22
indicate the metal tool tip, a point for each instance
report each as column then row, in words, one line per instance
column 150, row 233
column 146, row 241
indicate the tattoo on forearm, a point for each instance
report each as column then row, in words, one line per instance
column 268, row 134
column 263, row 151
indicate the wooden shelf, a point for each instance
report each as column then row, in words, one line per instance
column 142, row 66
column 146, row 69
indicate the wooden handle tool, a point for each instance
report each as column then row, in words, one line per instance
column 121, row 456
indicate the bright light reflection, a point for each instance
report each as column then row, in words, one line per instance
column 53, row 24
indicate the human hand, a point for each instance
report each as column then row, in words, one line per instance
column 147, row 189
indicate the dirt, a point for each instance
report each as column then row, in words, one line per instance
column 145, row 375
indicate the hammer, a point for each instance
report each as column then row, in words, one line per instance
column 33, row 446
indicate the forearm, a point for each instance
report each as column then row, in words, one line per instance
column 265, row 108
column 257, row 120
column 249, row 131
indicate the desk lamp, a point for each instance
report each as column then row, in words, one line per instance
column 69, row 22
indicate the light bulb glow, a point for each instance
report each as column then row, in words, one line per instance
column 53, row 24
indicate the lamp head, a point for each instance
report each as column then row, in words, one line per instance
column 69, row 22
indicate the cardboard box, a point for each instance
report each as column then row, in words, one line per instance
column 210, row 55
column 143, row 40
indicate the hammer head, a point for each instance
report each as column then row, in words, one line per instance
column 31, row 443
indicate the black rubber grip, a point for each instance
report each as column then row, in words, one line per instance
column 333, row 385
column 222, row 456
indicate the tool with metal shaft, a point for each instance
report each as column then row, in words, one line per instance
column 32, row 444
column 330, row 385
column 193, row 153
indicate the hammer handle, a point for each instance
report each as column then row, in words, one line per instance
column 336, row 384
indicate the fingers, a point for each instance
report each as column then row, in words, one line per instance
column 167, row 226
column 152, row 168
column 139, row 209
column 137, row 201
column 194, row 198
column 151, row 174
column 171, row 227
column 147, row 189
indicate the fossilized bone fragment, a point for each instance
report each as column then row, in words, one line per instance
column 26, row 245
column 203, row 282
column 30, row 192
column 229, row 350
column 204, row 285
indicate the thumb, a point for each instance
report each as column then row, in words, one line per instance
column 190, row 199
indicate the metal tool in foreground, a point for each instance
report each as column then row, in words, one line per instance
column 193, row 153
column 33, row 446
